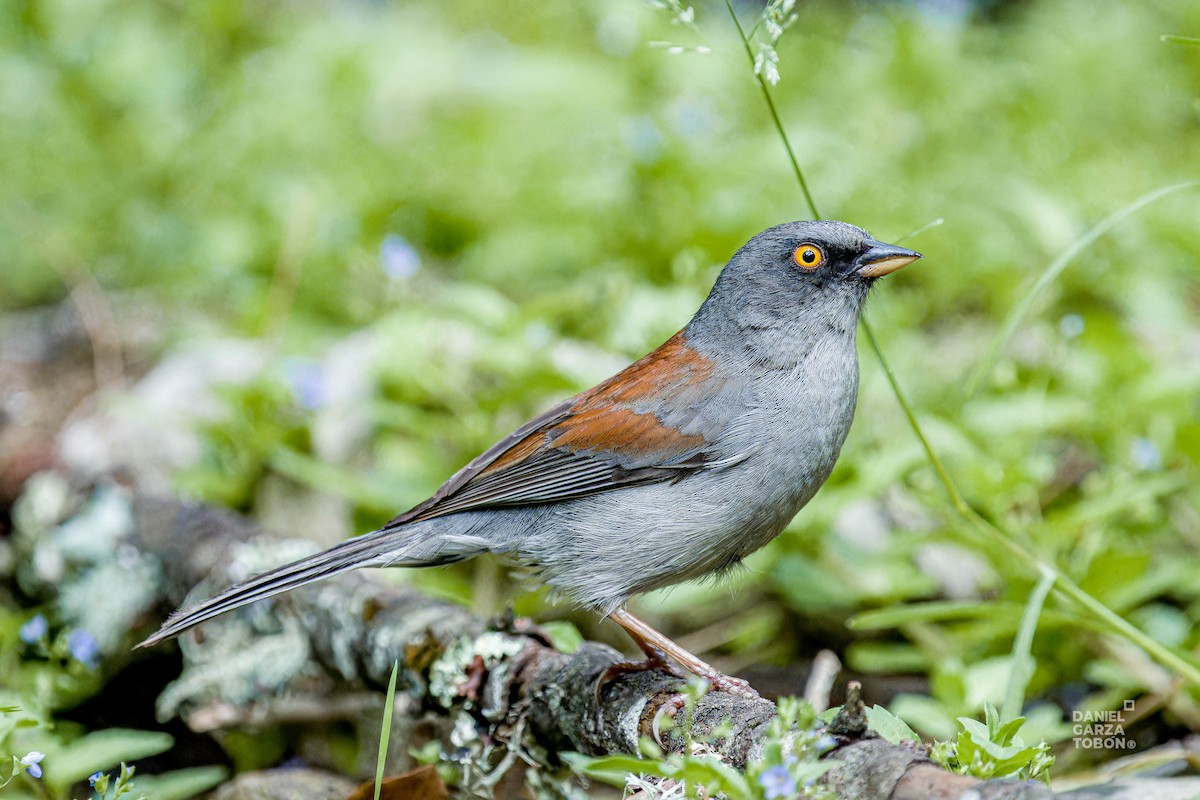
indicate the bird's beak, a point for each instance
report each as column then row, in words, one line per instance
column 880, row 259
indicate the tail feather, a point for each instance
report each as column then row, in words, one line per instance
column 351, row 554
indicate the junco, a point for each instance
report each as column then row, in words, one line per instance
column 676, row 467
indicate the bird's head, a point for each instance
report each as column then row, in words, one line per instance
column 820, row 256
column 808, row 275
column 804, row 267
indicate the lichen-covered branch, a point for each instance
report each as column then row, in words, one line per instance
column 122, row 560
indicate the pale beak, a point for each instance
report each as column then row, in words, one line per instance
column 881, row 259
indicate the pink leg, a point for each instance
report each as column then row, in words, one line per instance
column 658, row 647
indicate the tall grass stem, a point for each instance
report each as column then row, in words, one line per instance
column 1052, row 271
column 1064, row 585
column 385, row 732
column 1022, row 652
column 766, row 93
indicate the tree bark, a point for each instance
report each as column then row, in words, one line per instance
column 325, row 651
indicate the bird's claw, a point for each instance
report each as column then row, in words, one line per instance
column 475, row 673
column 671, row 707
column 651, row 664
column 620, row 668
column 720, row 682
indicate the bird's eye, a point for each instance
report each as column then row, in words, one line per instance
column 809, row 256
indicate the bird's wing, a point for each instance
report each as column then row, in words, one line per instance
column 654, row 421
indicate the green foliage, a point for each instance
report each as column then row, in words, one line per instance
column 101, row 750
column 385, row 729
column 450, row 215
column 63, row 760
column 565, row 637
column 789, row 767
column 993, row 750
column 181, row 784
column 121, row 786
column 263, row 422
column 889, row 726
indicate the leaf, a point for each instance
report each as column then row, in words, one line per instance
column 103, row 750
column 1007, row 733
column 385, row 732
column 991, row 718
column 812, row 770
column 614, row 769
column 1006, row 755
column 925, row 713
column 986, row 680
column 889, row 726
column 975, row 728
column 1053, row 270
column 715, row 774
column 828, row 714
column 422, row 783
column 565, row 637
column 886, row 657
column 1023, row 663
column 938, row 610
column 180, row 784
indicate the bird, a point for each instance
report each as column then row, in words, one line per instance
column 675, row 468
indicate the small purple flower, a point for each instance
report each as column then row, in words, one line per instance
column 35, row 630
column 1145, row 456
column 643, row 139
column 1071, row 326
column 399, row 259
column 777, row 782
column 307, row 382
column 84, row 647
column 95, row 776
column 32, row 762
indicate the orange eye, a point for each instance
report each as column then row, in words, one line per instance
column 809, row 256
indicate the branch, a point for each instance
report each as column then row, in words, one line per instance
column 283, row 660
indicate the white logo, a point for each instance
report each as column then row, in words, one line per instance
column 1101, row 730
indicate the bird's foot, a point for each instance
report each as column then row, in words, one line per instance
column 469, row 687
column 658, row 647
column 652, row 663
column 672, row 707
column 720, row 682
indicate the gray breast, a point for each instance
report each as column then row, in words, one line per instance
column 782, row 445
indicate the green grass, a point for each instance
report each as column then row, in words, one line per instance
column 571, row 192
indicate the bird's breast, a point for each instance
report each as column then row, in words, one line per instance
column 795, row 424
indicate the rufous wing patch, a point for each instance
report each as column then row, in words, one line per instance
column 616, row 415
column 609, row 436
column 520, row 451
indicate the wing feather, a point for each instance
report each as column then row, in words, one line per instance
column 635, row 428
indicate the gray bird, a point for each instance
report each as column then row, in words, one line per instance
column 677, row 467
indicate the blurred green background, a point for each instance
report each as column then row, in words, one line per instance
column 430, row 220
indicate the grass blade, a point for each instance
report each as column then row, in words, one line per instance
column 385, row 733
column 766, row 92
column 1022, row 658
column 1113, row 622
column 927, row 226
column 1053, row 270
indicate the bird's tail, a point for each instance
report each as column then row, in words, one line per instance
column 372, row 549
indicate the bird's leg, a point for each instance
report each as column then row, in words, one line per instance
column 655, row 659
column 658, row 647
